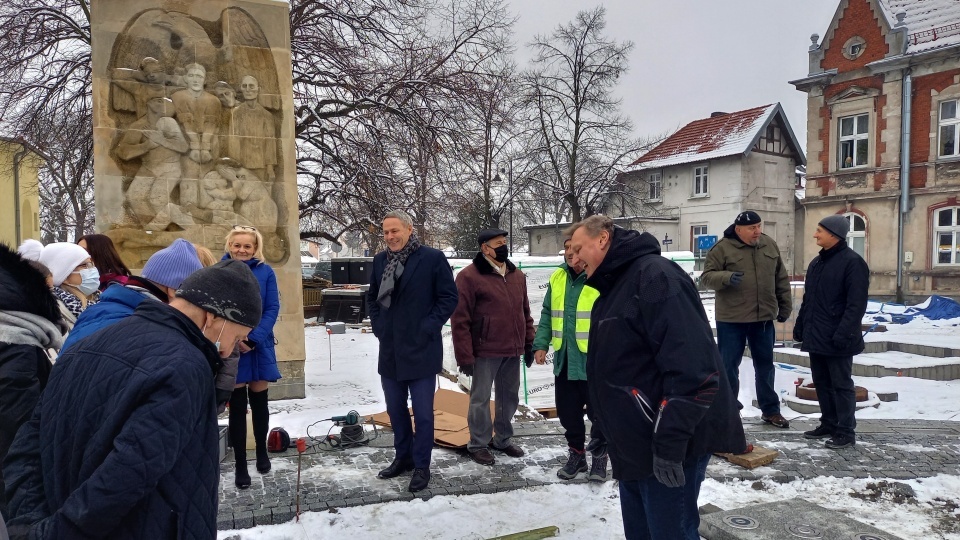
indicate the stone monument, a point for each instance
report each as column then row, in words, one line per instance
column 194, row 133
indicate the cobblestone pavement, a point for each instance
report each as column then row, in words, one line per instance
column 898, row 449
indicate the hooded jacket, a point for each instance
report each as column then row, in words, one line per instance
column 492, row 318
column 653, row 368
column 764, row 292
column 834, row 301
column 28, row 317
column 129, row 430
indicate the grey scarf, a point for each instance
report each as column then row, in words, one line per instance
column 22, row 328
column 394, row 269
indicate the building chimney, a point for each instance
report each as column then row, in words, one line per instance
column 718, row 114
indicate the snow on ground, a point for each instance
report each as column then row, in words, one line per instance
column 586, row 510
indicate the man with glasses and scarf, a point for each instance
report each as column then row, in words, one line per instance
column 492, row 328
column 411, row 296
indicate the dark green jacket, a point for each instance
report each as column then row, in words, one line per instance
column 569, row 353
column 764, row 292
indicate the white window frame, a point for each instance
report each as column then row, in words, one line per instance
column 701, row 184
column 953, row 229
column 702, row 228
column 853, row 234
column 655, row 187
column 950, row 125
column 855, row 140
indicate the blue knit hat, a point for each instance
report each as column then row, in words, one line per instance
column 172, row 264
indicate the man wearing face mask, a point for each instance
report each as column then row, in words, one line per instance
column 128, row 420
column 492, row 329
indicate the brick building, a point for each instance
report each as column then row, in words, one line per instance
column 883, row 128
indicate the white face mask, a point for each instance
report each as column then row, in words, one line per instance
column 217, row 342
column 89, row 280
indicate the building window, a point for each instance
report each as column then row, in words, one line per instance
column 946, row 229
column 696, row 231
column 854, row 140
column 857, row 235
column 949, row 125
column 700, row 181
column 654, row 187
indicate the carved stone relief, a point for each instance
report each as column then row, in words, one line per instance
column 197, row 108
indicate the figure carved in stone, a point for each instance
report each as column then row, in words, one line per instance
column 156, row 139
column 256, row 204
column 253, row 132
column 199, row 113
column 137, row 85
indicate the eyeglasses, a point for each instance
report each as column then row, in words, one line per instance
column 84, row 266
column 244, row 228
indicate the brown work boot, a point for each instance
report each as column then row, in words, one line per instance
column 776, row 419
column 511, row 450
column 482, row 456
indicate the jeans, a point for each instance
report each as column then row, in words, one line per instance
column 731, row 338
column 409, row 445
column 503, row 373
column 653, row 511
column 571, row 397
column 832, row 377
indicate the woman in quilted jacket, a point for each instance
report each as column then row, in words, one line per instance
column 28, row 327
column 258, row 359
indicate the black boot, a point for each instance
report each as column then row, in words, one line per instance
column 238, row 435
column 576, row 463
column 261, row 426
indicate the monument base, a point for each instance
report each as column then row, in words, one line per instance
column 293, row 384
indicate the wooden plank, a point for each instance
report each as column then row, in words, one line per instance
column 759, row 457
column 533, row 534
column 547, row 412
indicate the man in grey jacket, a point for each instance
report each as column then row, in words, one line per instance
column 753, row 289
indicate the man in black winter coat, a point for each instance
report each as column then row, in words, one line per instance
column 123, row 442
column 828, row 327
column 655, row 378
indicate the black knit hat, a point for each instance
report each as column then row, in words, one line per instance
column 227, row 289
column 24, row 288
column 747, row 218
column 489, row 234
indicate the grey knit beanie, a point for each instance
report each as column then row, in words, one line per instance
column 836, row 225
column 227, row 289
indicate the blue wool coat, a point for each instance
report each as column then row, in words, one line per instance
column 260, row 364
column 128, row 426
column 409, row 331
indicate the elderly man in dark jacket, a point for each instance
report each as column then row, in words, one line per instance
column 412, row 294
column 127, row 424
column 828, row 327
column 492, row 328
column 655, row 377
column 28, row 327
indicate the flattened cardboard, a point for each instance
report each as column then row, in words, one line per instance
column 449, row 418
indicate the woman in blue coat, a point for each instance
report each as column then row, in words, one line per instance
column 258, row 358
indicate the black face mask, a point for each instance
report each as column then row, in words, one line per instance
column 500, row 253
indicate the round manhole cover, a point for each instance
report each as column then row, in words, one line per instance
column 741, row 522
column 804, row 531
column 868, row 536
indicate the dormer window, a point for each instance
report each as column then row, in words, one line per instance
column 854, row 47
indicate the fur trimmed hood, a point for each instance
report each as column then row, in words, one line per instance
column 23, row 288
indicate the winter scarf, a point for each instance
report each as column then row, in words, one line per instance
column 394, row 269
column 70, row 300
column 22, row 328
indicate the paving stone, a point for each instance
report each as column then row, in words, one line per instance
column 262, row 517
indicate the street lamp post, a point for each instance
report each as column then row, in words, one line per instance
column 510, row 194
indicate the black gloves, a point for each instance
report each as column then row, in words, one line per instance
column 736, row 278
column 467, row 370
column 782, row 318
column 528, row 355
column 668, row 473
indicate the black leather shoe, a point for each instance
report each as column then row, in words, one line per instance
column 419, row 481
column 395, row 469
column 840, row 441
column 822, row 432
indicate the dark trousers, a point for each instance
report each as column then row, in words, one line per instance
column 653, row 511
column 409, row 445
column 832, row 377
column 731, row 339
column 571, row 398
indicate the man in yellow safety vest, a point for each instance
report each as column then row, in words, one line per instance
column 565, row 325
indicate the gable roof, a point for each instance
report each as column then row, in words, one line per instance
column 715, row 137
column 931, row 24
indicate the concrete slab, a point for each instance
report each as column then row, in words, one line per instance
column 785, row 520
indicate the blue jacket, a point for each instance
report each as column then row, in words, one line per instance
column 409, row 331
column 128, row 426
column 260, row 364
column 116, row 303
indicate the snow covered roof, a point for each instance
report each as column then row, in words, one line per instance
column 715, row 137
column 931, row 24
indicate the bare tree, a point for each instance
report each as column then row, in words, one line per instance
column 583, row 138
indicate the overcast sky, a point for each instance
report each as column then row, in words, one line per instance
column 694, row 57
